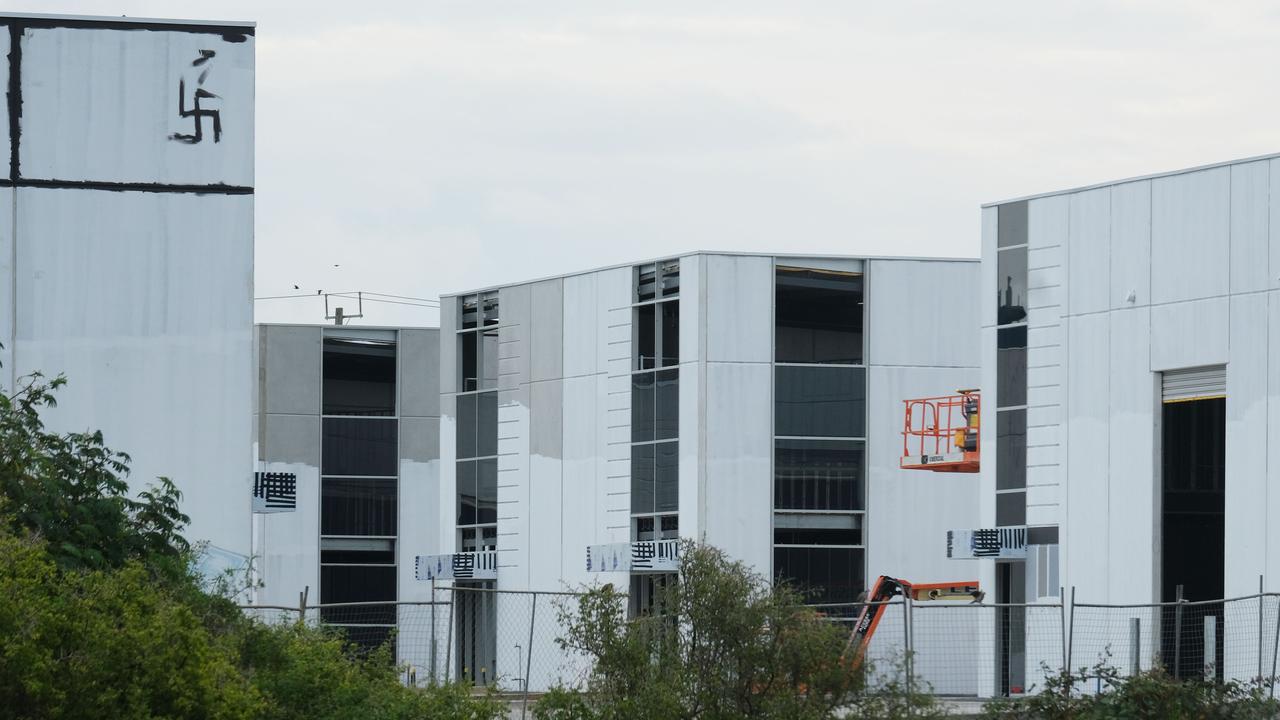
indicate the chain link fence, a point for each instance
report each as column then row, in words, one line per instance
column 507, row 639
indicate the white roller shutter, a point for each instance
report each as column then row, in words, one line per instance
column 1200, row 383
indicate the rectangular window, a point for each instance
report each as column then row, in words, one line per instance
column 657, row 527
column 358, row 507
column 646, row 337
column 655, row 392
column 1011, row 366
column 655, row 478
column 359, row 377
column 818, row 474
column 478, row 343
column 1011, row 439
column 1011, row 269
column 642, row 477
column 477, row 492
column 819, row 401
column 824, row 574
column 477, row 432
column 1011, row 508
column 359, row 446
column 1011, row 224
column 477, row 539
column 818, row 316
column 670, row 332
column 359, row 584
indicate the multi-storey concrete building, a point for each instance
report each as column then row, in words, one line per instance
column 1131, row 368
column 752, row 402
column 352, row 415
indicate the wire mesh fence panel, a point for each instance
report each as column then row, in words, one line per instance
column 983, row 650
column 271, row 614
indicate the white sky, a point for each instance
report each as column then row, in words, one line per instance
column 427, row 147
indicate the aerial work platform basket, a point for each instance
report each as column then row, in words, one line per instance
column 942, row 434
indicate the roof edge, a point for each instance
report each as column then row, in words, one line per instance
column 1139, row 178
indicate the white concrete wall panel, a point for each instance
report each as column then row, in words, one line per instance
column 1130, row 244
column 1190, row 235
column 8, row 298
column 1250, row 241
column 739, row 308
column 989, row 269
column 915, row 308
column 1273, row 224
column 580, row 325
column 143, row 300
column 546, row 336
column 909, row 511
column 419, row 529
column 1272, row 499
column 614, row 292
column 1246, row 444
column 1190, row 334
column 546, row 489
column 1131, row 478
column 1089, row 250
column 739, row 448
column 1084, row 527
column 692, row 319
column 286, row 551
column 103, row 105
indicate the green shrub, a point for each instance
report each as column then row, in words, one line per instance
column 724, row 643
column 1151, row 695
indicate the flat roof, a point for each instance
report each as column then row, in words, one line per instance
column 797, row 256
column 1139, row 178
column 124, row 21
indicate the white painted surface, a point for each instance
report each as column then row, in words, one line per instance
column 1190, row 334
column 739, row 448
column 1190, row 235
column 102, row 104
column 739, row 298
column 144, row 301
column 1089, row 248
column 1130, row 245
column 287, row 544
column 903, row 330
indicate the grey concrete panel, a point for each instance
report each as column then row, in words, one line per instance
column 546, row 330
column 513, row 336
column 290, row 359
column 419, row 439
column 292, row 439
column 448, row 344
column 419, row 373
column 546, row 431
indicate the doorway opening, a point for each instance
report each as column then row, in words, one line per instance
column 1192, row 532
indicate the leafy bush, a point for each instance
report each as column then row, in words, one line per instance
column 103, row 617
column 724, row 643
column 1151, row 695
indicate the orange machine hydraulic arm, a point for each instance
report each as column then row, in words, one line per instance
column 885, row 589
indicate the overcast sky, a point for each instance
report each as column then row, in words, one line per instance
column 428, row 147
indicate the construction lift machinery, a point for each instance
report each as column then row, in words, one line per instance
column 940, row 434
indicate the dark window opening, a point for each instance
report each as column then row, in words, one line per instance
column 358, row 507
column 818, row 474
column 359, row 446
column 1011, row 449
column 824, row 575
column 359, row 377
column 820, row 401
column 818, row 316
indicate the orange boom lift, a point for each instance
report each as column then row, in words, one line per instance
column 887, row 588
column 942, row 434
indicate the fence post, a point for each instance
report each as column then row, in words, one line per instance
column 1224, row 619
column 302, row 604
column 453, row 620
column 1071, row 629
column 1135, row 646
column 1210, row 645
column 1062, row 625
column 1275, row 650
column 433, row 630
column 1177, row 635
column 906, row 639
column 533, row 615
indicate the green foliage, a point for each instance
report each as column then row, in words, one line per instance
column 71, row 490
column 726, row 643
column 1151, row 695
column 103, row 617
